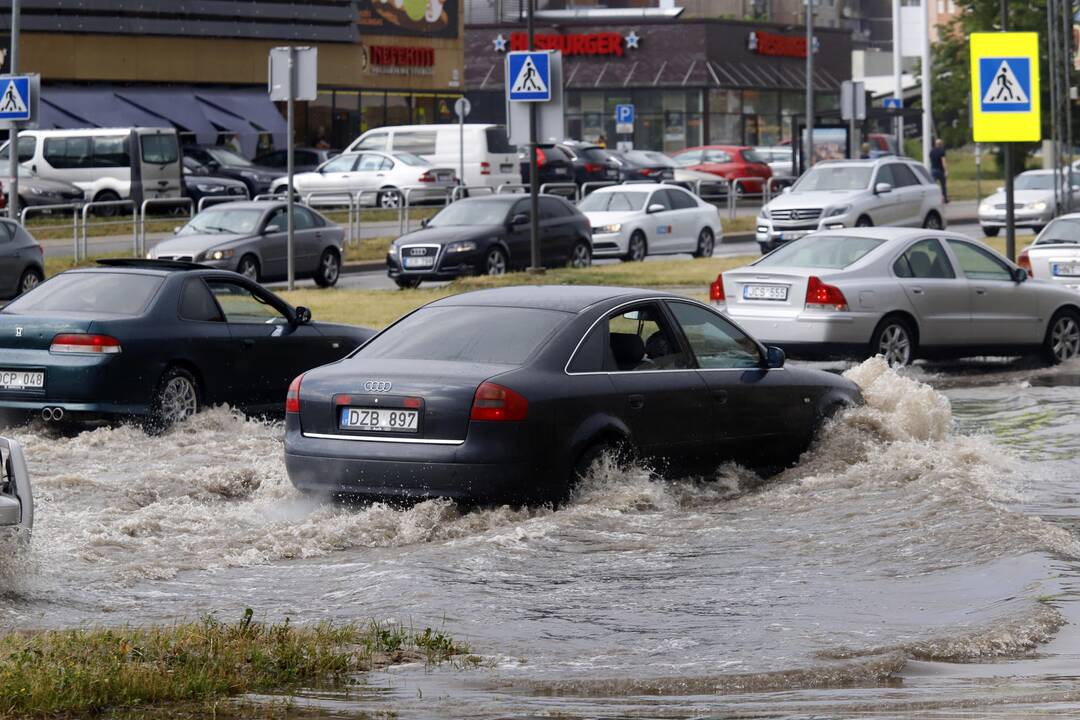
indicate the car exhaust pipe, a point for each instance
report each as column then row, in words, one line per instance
column 46, row 414
column 58, row 414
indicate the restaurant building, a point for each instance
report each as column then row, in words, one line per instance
column 692, row 82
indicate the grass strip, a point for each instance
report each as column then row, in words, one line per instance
column 90, row 671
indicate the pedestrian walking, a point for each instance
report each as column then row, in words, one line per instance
column 939, row 167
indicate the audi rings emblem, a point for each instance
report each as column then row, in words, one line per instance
column 378, row 386
column 418, row 251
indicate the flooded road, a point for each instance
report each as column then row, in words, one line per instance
column 921, row 560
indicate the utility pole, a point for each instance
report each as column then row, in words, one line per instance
column 927, row 74
column 898, row 73
column 290, row 145
column 535, row 266
column 809, row 84
column 1051, row 43
column 13, row 135
column 1010, row 213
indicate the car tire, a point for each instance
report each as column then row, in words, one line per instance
column 580, row 256
column 765, row 250
column 30, row 279
column 407, row 283
column 249, row 267
column 895, row 339
column 933, row 221
column 106, row 196
column 1062, row 342
column 991, row 231
column 637, row 248
column 706, row 243
column 329, row 270
column 175, row 399
column 495, row 262
column 864, row 221
column 390, row 199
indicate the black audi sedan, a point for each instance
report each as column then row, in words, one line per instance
column 490, row 235
column 156, row 340
column 510, row 395
column 223, row 162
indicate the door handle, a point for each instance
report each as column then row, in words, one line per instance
column 720, row 396
column 248, row 343
column 980, row 291
column 917, row 291
column 636, row 402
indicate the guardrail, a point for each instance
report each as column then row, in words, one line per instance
column 555, row 188
column 331, row 198
column 734, row 192
column 43, row 209
column 140, row 236
column 403, row 215
column 461, row 190
column 588, row 187
column 87, row 207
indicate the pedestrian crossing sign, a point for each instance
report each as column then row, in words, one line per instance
column 15, row 103
column 1005, row 87
column 528, row 76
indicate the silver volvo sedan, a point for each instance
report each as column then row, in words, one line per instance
column 903, row 293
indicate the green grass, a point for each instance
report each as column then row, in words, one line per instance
column 74, row 673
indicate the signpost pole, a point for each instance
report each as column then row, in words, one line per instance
column 809, row 84
column 1010, row 215
column 13, row 135
column 898, row 75
column 461, row 147
column 290, row 117
column 534, row 181
column 927, row 88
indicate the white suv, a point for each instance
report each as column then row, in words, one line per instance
column 852, row 193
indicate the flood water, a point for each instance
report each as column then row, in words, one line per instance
column 922, row 560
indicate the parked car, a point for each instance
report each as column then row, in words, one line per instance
column 223, row 162
column 156, row 340
column 632, row 221
column 780, row 159
column 511, row 395
column 250, row 237
column 700, row 183
column 852, row 193
column 104, row 163
column 902, row 293
column 554, row 165
column 644, row 165
column 199, row 183
column 1055, row 254
column 305, row 159
column 592, row 163
column 1033, row 201
column 489, row 235
column 16, row 493
column 729, row 162
column 490, row 159
column 36, row 191
column 881, row 145
column 22, row 260
column 382, row 177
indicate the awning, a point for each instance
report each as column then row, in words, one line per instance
column 185, row 115
column 100, row 108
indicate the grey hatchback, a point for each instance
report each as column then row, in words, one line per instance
column 22, row 261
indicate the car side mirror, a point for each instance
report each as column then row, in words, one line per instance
column 786, row 189
column 774, row 357
column 519, row 219
column 176, row 230
column 882, row 188
column 302, row 315
column 213, row 166
column 1020, row 275
column 272, row 228
column 656, row 207
column 424, row 222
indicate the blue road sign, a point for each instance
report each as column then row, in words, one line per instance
column 624, row 114
column 15, row 98
column 1005, row 84
column 528, row 76
column 893, row 103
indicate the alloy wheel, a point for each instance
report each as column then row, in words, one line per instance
column 1065, row 338
column 249, row 269
column 580, row 257
column 178, row 401
column 30, row 281
column 330, row 268
column 390, row 200
column 496, row 263
column 933, row 222
column 637, row 248
column 706, row 244
column 895, row 345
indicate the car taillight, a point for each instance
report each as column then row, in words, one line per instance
column 541, row 158
column 427, row 177
column 495, row 402
column 716, row 289
column 592, row 167
column 646, row 171
column 3, row 197
column 820, row 296
column 485, row 168
column 292, row 398
column 1024, row 261
column 85, row 344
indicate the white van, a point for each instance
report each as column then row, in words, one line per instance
column 106, row 163
column 490, row 159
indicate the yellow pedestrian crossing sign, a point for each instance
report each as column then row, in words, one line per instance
column 1005, row 87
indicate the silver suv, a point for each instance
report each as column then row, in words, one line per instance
column 852, row 193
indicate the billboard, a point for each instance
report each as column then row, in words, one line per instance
column 418, row 18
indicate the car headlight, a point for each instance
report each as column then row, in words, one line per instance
column 208, row 188
column 604, row 229
column 1037, row 206
column 150, row 255
column 460, row 247
column 217, row 255
column 37, row 191
column 249, row 175
column 986, row 208
column 838, row 210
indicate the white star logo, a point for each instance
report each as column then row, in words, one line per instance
column 632, row 41
column 500, row 43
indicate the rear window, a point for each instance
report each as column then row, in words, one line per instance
column 159, row 149
column 1061, row 231
column 90, row 292
column 821, row 251
column 753, row 156
column 497, row 142
column 490, row 335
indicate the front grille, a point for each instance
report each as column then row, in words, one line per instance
column 231, row 190
column 797, row 214
column 1001, row 206
column 419, row 251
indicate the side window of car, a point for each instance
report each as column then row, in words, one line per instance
column 924, row 174
column 660, row 197
column 27, row 146
column 640, row 338
column 692, row 157
column 302, row 219
column 680, row 200
column 68, row 152
column 370, row 162
column 241, row 305
column 196, row 303
column 714, row 341
column 904, row 176
column 717, row 156
column 280, row 218
column 522, row 207
column 551, row 209
column 978, row 264
column 885, row 175
column 417, row 143
column 925, row 260
column 342, row 163
column 374, row 141
column 7, row 232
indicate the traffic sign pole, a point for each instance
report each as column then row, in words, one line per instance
column 1010, row 197
column 536, row 267
column 13, row 135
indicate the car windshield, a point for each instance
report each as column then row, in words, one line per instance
column 410, row 159
column 496, row 335
column 224, row 156
column 617, row 201
column 754, row 156
column 841, row 177
column 90, row 292
column 1063, row 231
column 1035, row 181
column 223, row 221
column 477, row 212
column 820, row 251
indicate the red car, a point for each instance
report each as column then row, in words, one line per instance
column 727, row 161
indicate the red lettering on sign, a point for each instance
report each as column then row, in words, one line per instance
column 401, row 56
column 765, row 43
column 609, row 43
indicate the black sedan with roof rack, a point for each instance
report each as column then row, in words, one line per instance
column 510, row 395
column 158, row 340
